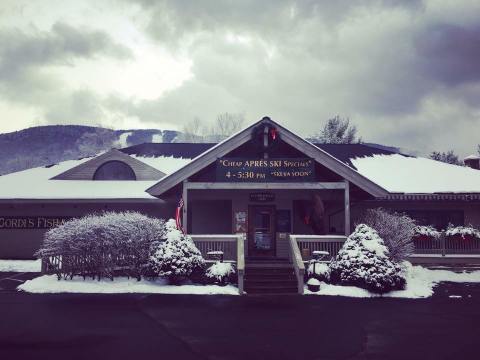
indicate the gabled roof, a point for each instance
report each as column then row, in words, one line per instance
column 343, row 152
column 233, row 142
column 86, row 170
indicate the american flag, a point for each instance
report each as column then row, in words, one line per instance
column 178, row 215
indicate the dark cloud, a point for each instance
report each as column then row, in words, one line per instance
column 24, row 56
column 450, row 53
column 171, row 21
column 406, row 72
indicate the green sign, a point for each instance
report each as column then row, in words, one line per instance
column 265, row 170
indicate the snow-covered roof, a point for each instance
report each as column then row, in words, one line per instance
column 472, row 157
column 36, row 183
column 398, row 173
column 166, row 164
column 394, row 172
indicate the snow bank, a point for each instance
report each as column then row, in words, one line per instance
column 397, row 173
column 20, row 265
column 49, row 284
column 420, row 284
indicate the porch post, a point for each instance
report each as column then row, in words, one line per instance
column 185, row 206
column 347, row 208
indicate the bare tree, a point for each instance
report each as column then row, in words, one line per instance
column 337, row 131
column 227, row 124
column 395, row 229
column 193, row 132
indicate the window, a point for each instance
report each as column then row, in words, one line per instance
column 114, row 170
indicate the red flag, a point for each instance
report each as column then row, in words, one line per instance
column 178, row 215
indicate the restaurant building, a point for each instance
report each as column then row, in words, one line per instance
column 265, row 185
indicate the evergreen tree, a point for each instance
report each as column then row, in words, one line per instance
column 337, row 131
column 448, row 157
column 177, row 257
column 364, row 261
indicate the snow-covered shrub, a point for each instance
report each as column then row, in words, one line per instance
column 395, row 229
column 462, row 231
column 318, row 270
column 98, row 245
column 177, row 257
column 426, row 231
column 364, row 261
column 220, row 272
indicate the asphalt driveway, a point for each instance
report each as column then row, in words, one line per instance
column 71, row 326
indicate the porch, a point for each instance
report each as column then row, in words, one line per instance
column 301, row 247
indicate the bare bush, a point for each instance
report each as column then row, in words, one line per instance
column 98, row 245
column 396, row 230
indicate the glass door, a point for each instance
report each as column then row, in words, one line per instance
column 261, row 222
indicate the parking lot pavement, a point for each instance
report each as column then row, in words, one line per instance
column 10, row 280
column 76, row 326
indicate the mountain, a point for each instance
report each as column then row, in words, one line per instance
column 45, row 145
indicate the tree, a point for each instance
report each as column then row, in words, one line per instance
column 227, row 124
column 337, row 131
column 448, row 157
column 396, row 230
column 177, row 257
column 364, row 261
column 192, row 132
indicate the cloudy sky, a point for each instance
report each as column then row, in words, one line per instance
column 407, row 73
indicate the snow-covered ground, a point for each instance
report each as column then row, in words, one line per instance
column 20, row 265
column 420, row 284
column 49, row 284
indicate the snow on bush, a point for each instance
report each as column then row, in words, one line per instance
column 98, row 245
column 428, row 231
column 396, row 230
column 364, row 262
column 177, row 257
column 318, row 270
column 220, row 271
column 463, row 231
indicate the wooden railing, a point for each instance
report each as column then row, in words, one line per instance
column 446, row 246
column 225, row 243
column 307, row 244
column 232, row 247
column 298, row 265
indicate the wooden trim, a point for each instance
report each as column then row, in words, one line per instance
column 185, row 206
column 298, row 265
column 347, row 208
column 235, row 141
column 319, row 238
column 240, row 262
column 253, row 186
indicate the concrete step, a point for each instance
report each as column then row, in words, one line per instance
column 269, row 271
column 270, row 283
column 270, row 276
column 271, row 290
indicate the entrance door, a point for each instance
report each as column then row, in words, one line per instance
column 261, row 230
